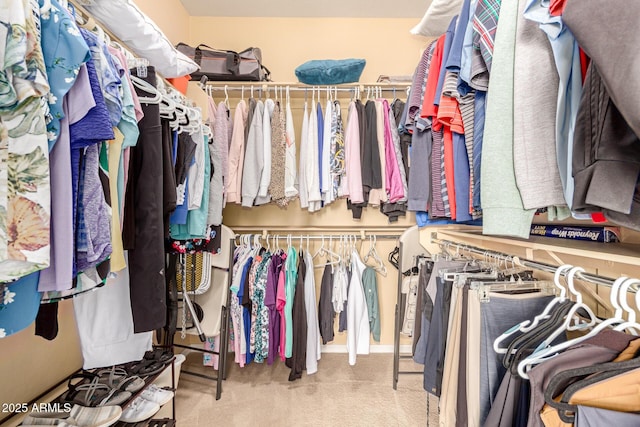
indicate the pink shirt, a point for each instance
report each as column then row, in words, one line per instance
column 353, row 184
column 393, row 180
column 281, row 300
column 236, row 154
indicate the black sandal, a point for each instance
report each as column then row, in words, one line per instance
column 145, row 368
column 159, row 355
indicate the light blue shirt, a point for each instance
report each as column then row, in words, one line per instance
column 467, row 46
column 453, row 62
column 195, row 226
column 567, row 59
column 108, row 75
column 64, row 51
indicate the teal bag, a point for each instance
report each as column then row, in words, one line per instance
column 330, row 71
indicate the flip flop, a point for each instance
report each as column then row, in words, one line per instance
column 118, row 378
column 95, row 394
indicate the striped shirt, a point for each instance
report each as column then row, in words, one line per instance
column 485, row 23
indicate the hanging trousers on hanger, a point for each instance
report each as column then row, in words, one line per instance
column 144, row 228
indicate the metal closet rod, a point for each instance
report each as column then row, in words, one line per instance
column 303, row 87
column 322, row 236
column 549, row 268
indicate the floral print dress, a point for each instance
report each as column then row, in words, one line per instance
column 260, row 312
column 24, row 152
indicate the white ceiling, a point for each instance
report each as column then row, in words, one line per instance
column 309, row 8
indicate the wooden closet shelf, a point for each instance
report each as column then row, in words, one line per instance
column 624, row 253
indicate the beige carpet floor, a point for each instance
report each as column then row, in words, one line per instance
column 337, row 395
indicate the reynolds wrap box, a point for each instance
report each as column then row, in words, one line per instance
column 592, row 234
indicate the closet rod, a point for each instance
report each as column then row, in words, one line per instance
column 306, row 89
column 322, row 236
column 549, row 268
column 221, row 85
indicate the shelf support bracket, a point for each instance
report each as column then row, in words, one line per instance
column 555, row 257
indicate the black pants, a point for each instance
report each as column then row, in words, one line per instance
column 144, row 214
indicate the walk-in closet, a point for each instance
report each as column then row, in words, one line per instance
column 362, row 213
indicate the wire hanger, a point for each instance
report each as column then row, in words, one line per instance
column 226, row 96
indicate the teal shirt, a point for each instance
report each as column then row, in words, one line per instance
column 370, row 285
column 290, row 291
column 128, row 126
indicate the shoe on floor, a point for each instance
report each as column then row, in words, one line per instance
column 79, row 416
column 37, row 418
column 102, row 416
column 139, row 410
column 61, row 423
column 157, row 394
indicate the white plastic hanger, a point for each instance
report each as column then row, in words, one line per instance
column 545, row 349
column 147, row 87
column 334, row 258
column 320, row 251
column 528, row 325
column 373, row 254
column 553, row 351
column 593, row 319
column 560, row 298
column 631, row 323
column 567, row 325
